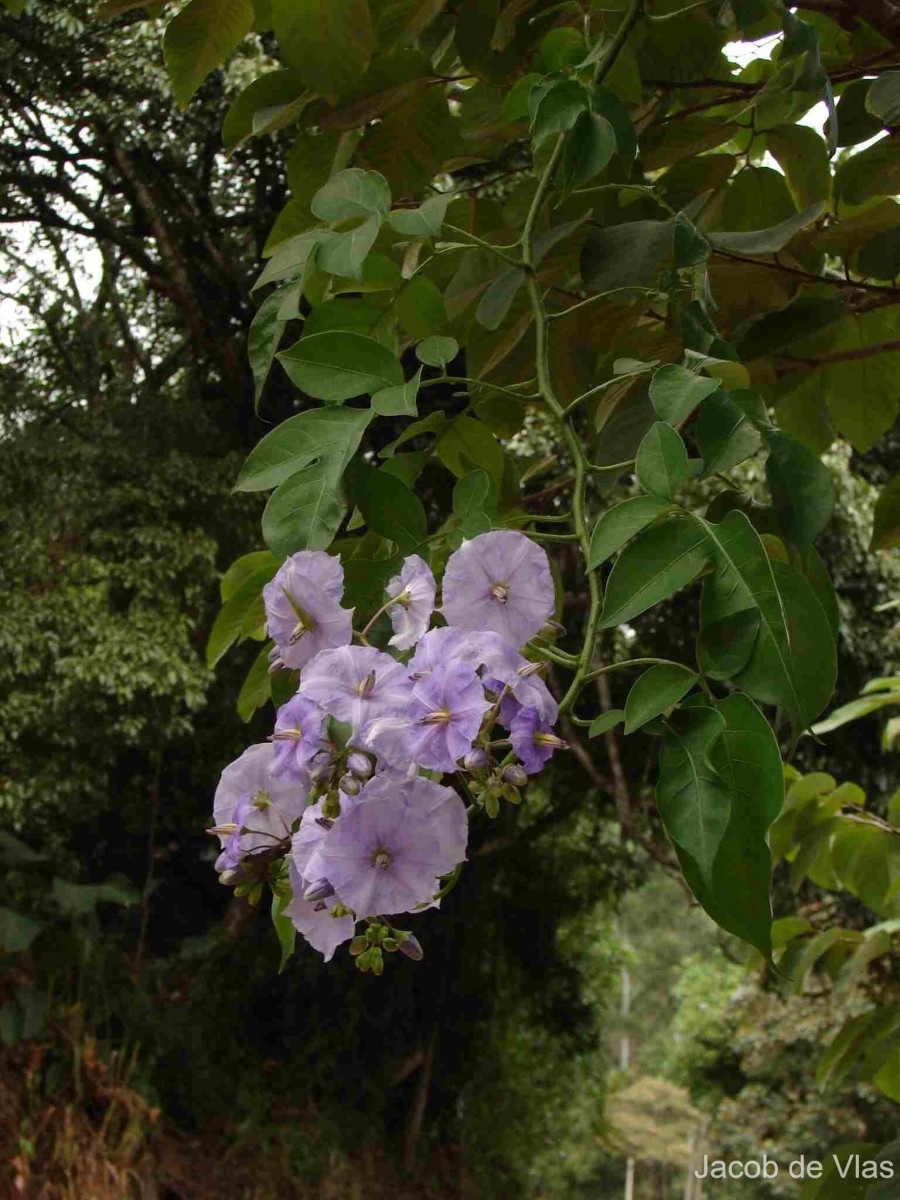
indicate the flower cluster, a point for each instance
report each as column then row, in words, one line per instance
column 344, row 803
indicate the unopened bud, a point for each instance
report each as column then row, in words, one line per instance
column 474, row 759
column 358, row 945
column 230, row 877
column 390, row 944
column 411, row 947
column 332, row 805
column 350, row 785
column 320, row 890
column 553, row 629
column 515, row 775
column 320, row 773
column 360, row 764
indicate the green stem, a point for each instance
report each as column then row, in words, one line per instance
column 631, row 287
column 545, row 387
column 599, row 388
column 363, row 636
column 562, row 519
column 497, row 251
column 620, row 466
column 634, row 14
column 558, row 656
column 630, row 662
column 552, row 537
column 494, row 387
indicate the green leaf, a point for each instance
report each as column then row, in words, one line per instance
column 515, row 104
column 724, row 646
column 293, row 259
column 748, row 760
column 304, row 512
column 352, row 194
column 630, row 255
column 242, row 614
column 437, row 351
column 693, row 800
column 883, row 98
column 398, row 401
column 328, row 42
column 15, row 853
column 498, row 298
column 337, row 366
column 777, row 330
column 17, row 7
column 275, row 90
column 420, row 308
column 265, row 333
column 675, row 392
column 369, row 563
column 558, row 108
column 608, row 104
column 880, row 257
column 256, row 690
column 606, row 721
column 80, row 899
column 886, row 530
column 467, row 443
column 655, row 692
column 284, row 927
column 343, row 254
column 425, row 221
column 767, row 241
column 803, row 156
column 691, row 247
column 855, row 123
column 619, row 524
column 388, row 507
column 661, row 462
column 474, row 500
column 802, row 489
column 200, row 38
column 327, row 436
column 588, row 149
column 793, row 661
column 659, row 561
column 357, row 315
column 243, row 568
column 17, row 932
column 874, row 171
column 725, row 435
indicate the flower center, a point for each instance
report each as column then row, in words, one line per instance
column 500, row 592
column 404, row 598
column 367, row 687
column 305, row 623
column 381, row 859
column 261, row 800
column 440, row 716
column 288, row 735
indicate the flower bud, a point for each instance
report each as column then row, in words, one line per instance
column 230, row 877
column 350, row 785
column 411, row 947
column 332, row 806
column 320, row 890
column 320, row 772
column 360, row 764
column 474, row 759
column 358, row 945
column 515, row 775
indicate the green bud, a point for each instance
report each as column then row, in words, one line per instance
column 358, row 945
column 377, row 964
column 390, row 944
column 492, row 804
column 332, row 806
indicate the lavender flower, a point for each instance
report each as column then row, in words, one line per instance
column 315, row 919
column 357, row 684
column 303, row 610
column 384, row 855
column 533, row 740
column 440, row 648
column 299, row 736
column 446, row 711
column 499, row 581
column 253, row 811
column 413, row 590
